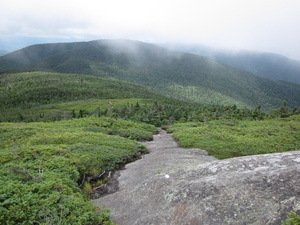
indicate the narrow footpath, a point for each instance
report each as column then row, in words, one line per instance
column 176, row 186
column 164, row 160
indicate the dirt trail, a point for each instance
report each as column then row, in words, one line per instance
column 165, row 158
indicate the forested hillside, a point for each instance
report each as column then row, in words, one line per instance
column 32, row 88
column 268, row 65
column 48, row 96
column 180, row 75
column 272, row 66
column 44, row 96
column 27, row 56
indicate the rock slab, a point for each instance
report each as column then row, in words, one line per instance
column 172, row 185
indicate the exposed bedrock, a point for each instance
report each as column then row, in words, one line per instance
column 172, row 185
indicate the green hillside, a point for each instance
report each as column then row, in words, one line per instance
column 272, row 66
column 43, row 88
column 180, row 75
column 27, row 56
column 268, row 65
column 45, row 96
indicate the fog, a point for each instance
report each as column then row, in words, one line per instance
column 267, row 26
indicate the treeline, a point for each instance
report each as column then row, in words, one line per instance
column 24, row 97
column 160, row 113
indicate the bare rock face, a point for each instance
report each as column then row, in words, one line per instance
column 178, row 186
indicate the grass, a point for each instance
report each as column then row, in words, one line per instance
column 226, row 139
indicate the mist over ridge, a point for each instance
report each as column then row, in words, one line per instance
column 269, row 65
column 177, row 74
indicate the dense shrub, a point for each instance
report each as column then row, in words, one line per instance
column 231, row 138
column 44, row 166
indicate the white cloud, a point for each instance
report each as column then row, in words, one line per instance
column 268, row 25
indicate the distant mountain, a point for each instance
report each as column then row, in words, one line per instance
column 28, row 56
column 180, row 75
column 3, row 52
column 268, row 65
column 11, row 43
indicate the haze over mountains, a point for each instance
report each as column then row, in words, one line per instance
column 181, row 75
column 268, row 65
column 3, row 52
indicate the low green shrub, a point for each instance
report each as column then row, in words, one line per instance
column 293, row 219
column 226, row 139
column 48, row 170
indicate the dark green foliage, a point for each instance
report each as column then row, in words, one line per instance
column 168, row 112
column 33, row 54
column 158, row 113
column 268, row 65
column 40, row 96
column 43, row 166
column 271, row 66
column 25, row 96
column 283, row 111
column 43, row 88
column 179, row 75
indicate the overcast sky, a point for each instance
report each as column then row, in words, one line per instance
column 260, row 25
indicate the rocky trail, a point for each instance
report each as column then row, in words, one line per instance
column 172, row 185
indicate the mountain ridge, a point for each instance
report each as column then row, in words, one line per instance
column 3, row 52
column 264, row 64
column 181, row 75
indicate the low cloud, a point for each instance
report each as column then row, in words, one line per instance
column 255, row 25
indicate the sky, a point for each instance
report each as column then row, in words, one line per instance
column 257, row 25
